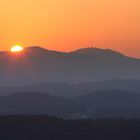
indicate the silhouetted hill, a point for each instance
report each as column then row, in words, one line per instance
column 111, row 103
column 109, row 99
column 36, row 64
column 58, row 89
column 29, row 103
column 73, row 90
column 130, row 85
column 98, row 52
column 103, row 104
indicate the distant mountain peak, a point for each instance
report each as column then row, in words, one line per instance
column 36, row 48
column 97, row 51
column 41, row 50
column 82, row 51
column 88, row 50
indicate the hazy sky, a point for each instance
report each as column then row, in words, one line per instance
column 69, row 24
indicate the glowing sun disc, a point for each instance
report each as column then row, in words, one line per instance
column 16, row 48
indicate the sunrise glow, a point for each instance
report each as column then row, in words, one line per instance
column 67, row 25
column 16, row 48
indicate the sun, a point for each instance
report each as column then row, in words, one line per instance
column 16, row 48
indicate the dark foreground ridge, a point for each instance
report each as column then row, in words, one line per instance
column 51, row 128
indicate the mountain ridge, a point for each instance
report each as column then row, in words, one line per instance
column 86, row 50
column 36, row 64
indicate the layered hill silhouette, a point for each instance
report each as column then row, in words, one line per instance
column 36, row 64
column 37, row 103
column 69, row 91
column 88, row 82
column 129, row 85
column 109, row 99
column 111, row 103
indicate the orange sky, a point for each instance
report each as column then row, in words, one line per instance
column 69, row 24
